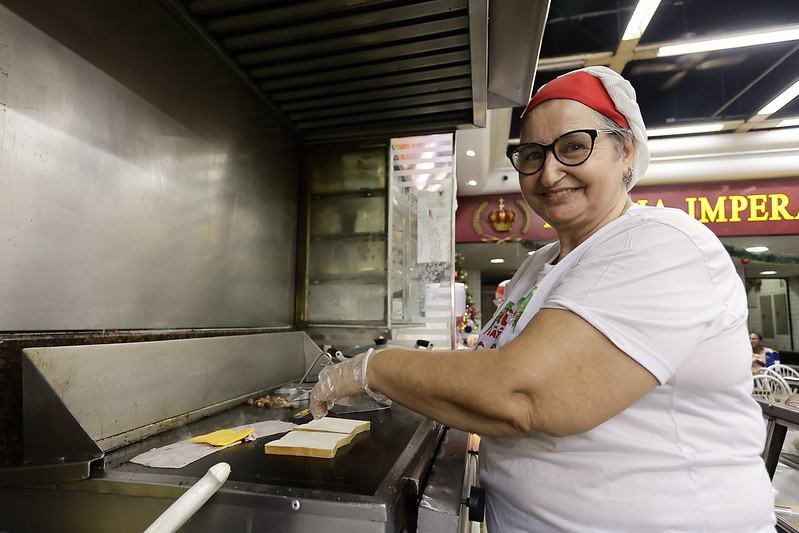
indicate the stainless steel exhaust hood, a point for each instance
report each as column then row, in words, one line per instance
column 339, row 69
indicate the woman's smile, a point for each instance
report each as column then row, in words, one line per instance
column 559, row 194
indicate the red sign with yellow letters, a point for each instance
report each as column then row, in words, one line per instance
column 761, row 207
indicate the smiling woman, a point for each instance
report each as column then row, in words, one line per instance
column 601, row 359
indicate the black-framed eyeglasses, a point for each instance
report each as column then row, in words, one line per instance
column 571, row 149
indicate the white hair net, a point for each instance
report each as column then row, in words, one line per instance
column 623, row 96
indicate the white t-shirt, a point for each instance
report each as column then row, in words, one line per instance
column 686, row 456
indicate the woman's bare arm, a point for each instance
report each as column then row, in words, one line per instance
column 560, row 376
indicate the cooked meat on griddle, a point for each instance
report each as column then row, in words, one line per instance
column 272, row 401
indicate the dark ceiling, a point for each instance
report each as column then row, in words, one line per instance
column 727, row 86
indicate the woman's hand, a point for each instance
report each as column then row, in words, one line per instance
column 340, row 381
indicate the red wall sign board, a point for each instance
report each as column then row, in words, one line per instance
column 472, row 222
column 762, row 207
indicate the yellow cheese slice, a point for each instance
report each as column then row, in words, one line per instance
column 223, row 437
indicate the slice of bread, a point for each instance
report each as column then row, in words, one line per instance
column 308, row 444
column 336, row 425
column 319, row 438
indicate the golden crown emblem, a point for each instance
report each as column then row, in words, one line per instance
column 501, row 219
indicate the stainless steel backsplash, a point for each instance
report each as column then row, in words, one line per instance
column 133, row 197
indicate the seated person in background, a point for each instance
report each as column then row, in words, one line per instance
column 761, row 356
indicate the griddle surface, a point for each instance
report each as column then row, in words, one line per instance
column 358, row 468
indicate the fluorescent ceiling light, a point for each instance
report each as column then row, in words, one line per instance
column 471, row 182
column 768, row 272
column 471, row 153
column 640, row 19
column 497, row 260
column 548, row 64
column 757, row 249
column 684, row 130
column 786, row 33
column 781, row 100
column 545, row 65
column 788, row 122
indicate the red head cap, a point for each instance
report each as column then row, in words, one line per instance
column 581, row 87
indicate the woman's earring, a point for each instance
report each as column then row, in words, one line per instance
column 628, row 175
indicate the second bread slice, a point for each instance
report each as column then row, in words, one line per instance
column 335, row 425
column 309, row 444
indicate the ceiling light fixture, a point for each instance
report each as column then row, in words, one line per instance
column 471, row 153
column 784, row 33
column 497, row 260
column 769, row 272
column 471, row 182
column 757, row 249
column 788, row 122
column 685, row 130
column 570, row 62
column 558, row 63
column 781, row 100
column 640, row 20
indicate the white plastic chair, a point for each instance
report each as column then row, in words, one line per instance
column 770, row 388
column 771, row 372
column 784, row 370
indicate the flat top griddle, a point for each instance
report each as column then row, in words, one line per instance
column 81, row 437
column 358, row 468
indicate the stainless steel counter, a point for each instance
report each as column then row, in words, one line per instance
column 81, row 438
column 782, row 462
column 786, row 493
column 368, row 486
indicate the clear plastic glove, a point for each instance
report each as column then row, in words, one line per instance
column 341, row 381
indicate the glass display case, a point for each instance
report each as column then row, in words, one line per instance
column 422, row 239
column 347, row 243
column 381, row 237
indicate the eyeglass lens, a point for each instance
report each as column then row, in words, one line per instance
column 571, row 149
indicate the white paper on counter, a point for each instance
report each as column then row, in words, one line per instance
column 182, row 453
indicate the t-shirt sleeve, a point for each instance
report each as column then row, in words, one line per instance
column 653, row 291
